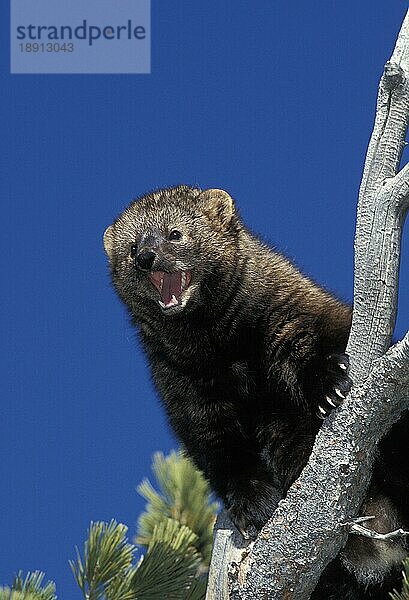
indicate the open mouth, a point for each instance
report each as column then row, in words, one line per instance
column 170, row 286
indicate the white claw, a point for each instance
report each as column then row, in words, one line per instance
column 342, row 366
column 330, row 402
column 323, row 412
column 339, row 393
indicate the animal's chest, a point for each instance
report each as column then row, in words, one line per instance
column 237, row 379
column 209, row 384
column 222, row 364
column 223, row 396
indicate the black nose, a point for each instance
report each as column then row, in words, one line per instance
column 145, row 259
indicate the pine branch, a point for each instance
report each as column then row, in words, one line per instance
column 108, row 570
column 168, row 570
column 176, row 530
column 184, row 495
column 107, row 556
column 29, row 588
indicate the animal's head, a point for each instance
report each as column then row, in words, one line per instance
column 169, row 249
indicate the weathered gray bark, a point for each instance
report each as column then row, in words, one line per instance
column 305, row 532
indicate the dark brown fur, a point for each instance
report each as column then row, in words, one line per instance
column 243, row 365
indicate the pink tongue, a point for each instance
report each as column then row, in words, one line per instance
column 172, row 286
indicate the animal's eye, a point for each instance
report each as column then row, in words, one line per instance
column 134, row 248
column 175, row 235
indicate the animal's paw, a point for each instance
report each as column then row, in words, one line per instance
column 250, row 511
column 247, row 523
column 337, row 384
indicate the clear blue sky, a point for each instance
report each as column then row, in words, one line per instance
column 273, row 101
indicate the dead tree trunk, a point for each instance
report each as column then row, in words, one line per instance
column 305, row 533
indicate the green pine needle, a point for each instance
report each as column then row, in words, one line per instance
column 168, row 570
column 184, row 495
column 197, row 590
column 29, row 588
column 107, row 556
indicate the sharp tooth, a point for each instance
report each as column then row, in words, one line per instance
column 183, row 280
column 161, row 284
column 174, row 299
column 162, row 304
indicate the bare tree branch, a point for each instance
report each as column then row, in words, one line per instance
column 382, row 206
column 306, row 531
column 229, row 551
column 356, row 528
column 360, row 530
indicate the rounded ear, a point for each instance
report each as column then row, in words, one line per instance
column 109, row 240
column 218, row 206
